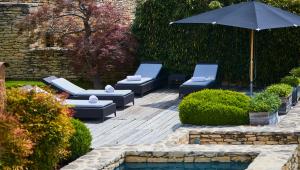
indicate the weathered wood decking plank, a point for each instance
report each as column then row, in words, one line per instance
column 152, row 118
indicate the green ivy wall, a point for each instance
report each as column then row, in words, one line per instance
column 180, row 47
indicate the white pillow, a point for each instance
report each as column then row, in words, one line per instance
column 93, row 99
column 134, row 78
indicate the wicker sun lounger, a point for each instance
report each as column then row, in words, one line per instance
column 85, row 110
column 151, row 73
column 120, row 97
column 201, row 70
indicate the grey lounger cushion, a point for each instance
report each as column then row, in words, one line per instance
column 71, row 88
column 203, row 70
column 198, row 83
column 67, row 86
column 206, row 70
column 86, row 103
column 149, row 70
column 143, row 80
column 104, row 93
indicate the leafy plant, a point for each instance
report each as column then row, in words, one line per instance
column 215, row 107
column 15, row 144
column 48, row 123
column 80, row 141
column 291, row 80
column 282, row 90
column 215, row 5
column 265, row 102
column 295, row 72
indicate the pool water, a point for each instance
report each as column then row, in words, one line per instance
column 184, row 166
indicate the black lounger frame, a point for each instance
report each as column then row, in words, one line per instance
column 121, row 101
column 98, row 113
column 187, row 89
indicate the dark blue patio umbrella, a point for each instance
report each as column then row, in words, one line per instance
column 252, row 15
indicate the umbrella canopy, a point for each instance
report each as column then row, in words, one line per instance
column 251, row 15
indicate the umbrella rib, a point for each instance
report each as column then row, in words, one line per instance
column 227, row 14
column 283, row 17
column 256, row 20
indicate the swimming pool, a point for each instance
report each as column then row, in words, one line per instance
column 185, row 166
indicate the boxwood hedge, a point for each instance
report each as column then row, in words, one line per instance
column 215, row 107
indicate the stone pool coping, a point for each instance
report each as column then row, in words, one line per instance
column 266, row 157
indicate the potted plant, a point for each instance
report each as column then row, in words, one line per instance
column 264, row 109
column 296, row 73
column 284, row 91
column 294, row 82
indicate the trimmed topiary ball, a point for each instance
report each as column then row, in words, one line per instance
column 80, row 142
column 215, row 107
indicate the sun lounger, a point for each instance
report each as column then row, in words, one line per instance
column 151, row 77
column 120, row 97
column 83, row 109
column 206, row 75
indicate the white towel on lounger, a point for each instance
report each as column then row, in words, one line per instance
column 134, row 78
column 93, row 99
column 197, row 79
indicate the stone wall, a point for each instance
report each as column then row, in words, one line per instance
column 240, row 138
column 36, row 64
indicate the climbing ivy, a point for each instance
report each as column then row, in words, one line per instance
column 180, row 47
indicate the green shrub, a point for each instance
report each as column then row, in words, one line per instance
column 290, row 80
column 282, row 90
column 80, row 142
column 265, row 102
column 215, row 107
column 295, row 72
column 48, row 123
column 180, row 47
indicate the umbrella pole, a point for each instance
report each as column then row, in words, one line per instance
column 251, row 61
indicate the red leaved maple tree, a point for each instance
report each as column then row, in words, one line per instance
column 95, row 35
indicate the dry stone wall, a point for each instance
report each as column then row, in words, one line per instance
column 35, row 64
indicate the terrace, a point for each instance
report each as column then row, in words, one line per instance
column 70, row 98
column 146, row 122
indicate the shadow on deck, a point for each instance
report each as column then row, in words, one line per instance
column 151, row 119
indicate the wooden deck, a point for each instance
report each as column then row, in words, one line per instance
column 151, row 119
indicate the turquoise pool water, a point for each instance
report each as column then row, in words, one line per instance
column 184, row 166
